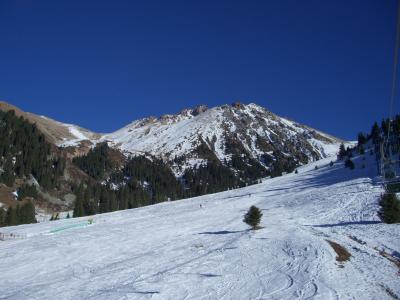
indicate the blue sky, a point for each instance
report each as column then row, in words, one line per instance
column 102, row 64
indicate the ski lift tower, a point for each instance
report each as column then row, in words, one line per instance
column 389, row 162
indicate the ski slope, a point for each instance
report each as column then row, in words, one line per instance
column 178, row 250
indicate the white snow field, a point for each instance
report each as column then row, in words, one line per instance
column 177, row 250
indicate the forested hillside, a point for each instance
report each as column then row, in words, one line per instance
column 24, row 152
column 61, row 167
column 24, row 155
column 141, row 181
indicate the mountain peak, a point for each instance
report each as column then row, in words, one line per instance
column 198, row 134
column 199, row 109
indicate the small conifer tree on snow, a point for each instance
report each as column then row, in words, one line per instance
column 253, row 217
column 390, row 208
column 342, row 151
column 349, row 164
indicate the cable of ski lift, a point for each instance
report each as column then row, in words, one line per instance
column 385, row 147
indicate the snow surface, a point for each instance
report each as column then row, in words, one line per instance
column 78, row 135
column 178, row 250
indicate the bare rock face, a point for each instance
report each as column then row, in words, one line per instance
column 79, row 150
column 199, row 109
column 238, row 105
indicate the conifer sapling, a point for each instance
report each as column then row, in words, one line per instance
column 253, row 217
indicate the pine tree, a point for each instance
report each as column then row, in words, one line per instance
column 11, row 217
column 385, row 126
column 361, row 150
column 375, row 133
column 253, row 217
column 349, row 164
column 390, row 211
column 342, row 151
column 361, row 139
column 78, row 207
column 3, row 214
column 27, row 213
column 8, row 176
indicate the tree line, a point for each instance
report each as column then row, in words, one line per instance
column 24, row 151
column 20, row 214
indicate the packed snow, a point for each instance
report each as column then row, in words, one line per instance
column 179, row 250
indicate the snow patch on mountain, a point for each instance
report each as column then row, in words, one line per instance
column 78, row 135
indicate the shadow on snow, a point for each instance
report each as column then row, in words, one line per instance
column 221, row 232
column 348, row 223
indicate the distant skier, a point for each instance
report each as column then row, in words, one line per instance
column 201, row 205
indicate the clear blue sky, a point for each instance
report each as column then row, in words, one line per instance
column 102, row 64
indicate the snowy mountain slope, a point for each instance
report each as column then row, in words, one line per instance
column 249, row 129
column 225, row 134
column 178, row 250
column 78, row 134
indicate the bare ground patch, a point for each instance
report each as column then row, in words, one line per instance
column 342, row 254
column 354, row 238
column 390, row 258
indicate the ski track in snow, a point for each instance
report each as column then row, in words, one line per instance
column 178, row 250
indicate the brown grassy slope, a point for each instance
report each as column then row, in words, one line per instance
column 55, row 132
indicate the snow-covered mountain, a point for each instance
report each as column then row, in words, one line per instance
column 248, row 130
column 196, row 136
column 207, row 150
column 177, row 250
column 231, row 135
